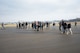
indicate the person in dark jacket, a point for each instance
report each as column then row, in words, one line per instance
column 65, row 27
column 62, row 26
column 53, row 24
column 69, row 29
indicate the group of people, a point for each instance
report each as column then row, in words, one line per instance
column 22, row 25
column 65, row 27
column 37, row 25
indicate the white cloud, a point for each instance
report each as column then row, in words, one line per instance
column 39, row 9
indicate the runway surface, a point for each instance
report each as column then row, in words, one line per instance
column 50, row 40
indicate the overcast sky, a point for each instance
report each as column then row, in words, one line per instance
column 42, row 10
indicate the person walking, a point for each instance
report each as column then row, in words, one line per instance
column 65, row 27
column 69, row 29
column 62, row 26
column 2, row 26
column 37, row 25
column 75, row 23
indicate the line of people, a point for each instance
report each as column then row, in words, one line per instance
column 65, row 28
column 36, row 25
column 22, row 25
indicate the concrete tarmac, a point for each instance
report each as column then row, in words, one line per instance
column 50, row 40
